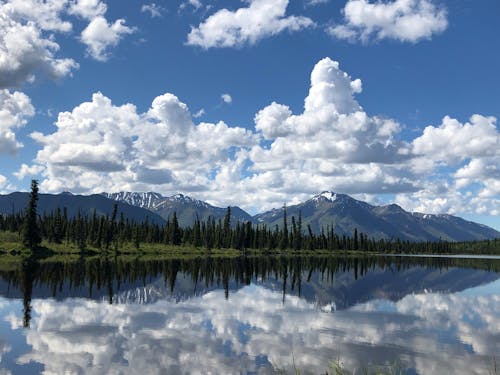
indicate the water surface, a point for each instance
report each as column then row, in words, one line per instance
column 250, row 315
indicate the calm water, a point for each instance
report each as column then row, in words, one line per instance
column 250, row 315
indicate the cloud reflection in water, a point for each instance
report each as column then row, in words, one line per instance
column 254, row 330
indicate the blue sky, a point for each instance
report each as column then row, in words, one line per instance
column 255, row 102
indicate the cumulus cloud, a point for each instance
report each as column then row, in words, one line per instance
column 333, row 144
column 113, row 147
column 26, row 170
column 15, row 109
column 226, row 98
column 470, row 152
column 248, row 25
column 24, row 51
column 403, row 20
column 87, row 9
column 153, row 9
column 100, row 35
column 45, row 14
column 453, row 141
column 28, row 43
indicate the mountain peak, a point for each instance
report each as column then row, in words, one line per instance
column 328, row 195
column 141, row 199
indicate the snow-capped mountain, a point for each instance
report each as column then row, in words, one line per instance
column 185, row 207
column 85, row 204
column 147, row 200
column 345, row 214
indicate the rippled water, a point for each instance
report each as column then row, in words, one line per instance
column 250, row 315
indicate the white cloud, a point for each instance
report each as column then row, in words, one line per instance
column 3, row 181
column 114, row 147
column 196, row 4
column 5, row 187
column 99, row 35
column 15, row 109
column 24, row 51
column 316, row 2
column 26, row 170
column 226, row 98
column 452, row 141
column 226, row 336
column 332, row 144
column 403, row 20
column 28, row 46
column 153, row 9
column 87, row 9
column 471, row 153
column 259, row 20
column 46, row 14
column 200, row 113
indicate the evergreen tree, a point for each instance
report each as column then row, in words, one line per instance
column 176, row 233
column 81, row 238
column 31, row 231
column 284, row 238
column 58, row 226
column 227, row 228
column 299, row 231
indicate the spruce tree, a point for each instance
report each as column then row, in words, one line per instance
column 176, row 233
column 227, row 228
column 284, row 238
column 31, row 231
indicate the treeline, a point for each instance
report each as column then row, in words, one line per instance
column 94, row 274
column 112, row 232
column 101, row 277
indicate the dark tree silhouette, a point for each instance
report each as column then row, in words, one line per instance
column 30, row 231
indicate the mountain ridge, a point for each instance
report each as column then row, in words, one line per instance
column 323, row 211
column 85, row 204
column 390, row 221
column 187, row 209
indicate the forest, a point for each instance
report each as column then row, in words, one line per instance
column 105, row 233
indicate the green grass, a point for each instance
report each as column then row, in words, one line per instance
column 10, row 243
column 337, row 368
column 396, row 368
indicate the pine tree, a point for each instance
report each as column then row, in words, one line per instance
column 176, row 233
column 58, row 226
column 31, row 231
column 227, row 228
column 284, row 238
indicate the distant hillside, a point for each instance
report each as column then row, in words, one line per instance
column 390, row 222
column 324, row 210
column 186, row 208
column 16, row 202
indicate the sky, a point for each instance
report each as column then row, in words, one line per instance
column 257, row 102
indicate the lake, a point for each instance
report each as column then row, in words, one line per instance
column 250, row 315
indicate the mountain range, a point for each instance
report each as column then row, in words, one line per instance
column 328, row 209
column 186, row 208
column 85, row 204
column 346, row 214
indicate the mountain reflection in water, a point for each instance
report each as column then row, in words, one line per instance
column 249, row 315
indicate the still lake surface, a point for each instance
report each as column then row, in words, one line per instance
column 250, row 315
